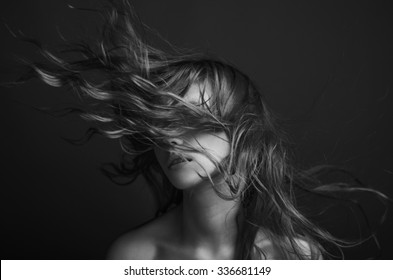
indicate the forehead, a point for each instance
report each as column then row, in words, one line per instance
column 198, row 94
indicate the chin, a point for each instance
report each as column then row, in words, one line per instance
column 185, row 179
column 189, row 178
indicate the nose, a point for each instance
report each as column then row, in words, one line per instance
column 175, row 141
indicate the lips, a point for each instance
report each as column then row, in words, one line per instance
column 177, row 159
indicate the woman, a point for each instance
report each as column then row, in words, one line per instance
column 199, row 130
column 208, row 222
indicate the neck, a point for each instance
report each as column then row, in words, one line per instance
column 209, row 222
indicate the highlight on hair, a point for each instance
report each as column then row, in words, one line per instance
column 138, row 100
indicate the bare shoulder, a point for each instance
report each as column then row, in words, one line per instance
column 307, row 249
column 286, row 251
column 134, row 245
column 143, row 242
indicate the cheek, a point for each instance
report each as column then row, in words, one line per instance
column 216, row 144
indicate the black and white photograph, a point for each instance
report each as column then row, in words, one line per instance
column 196, row 130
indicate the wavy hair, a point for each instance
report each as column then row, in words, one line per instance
column 136, row 97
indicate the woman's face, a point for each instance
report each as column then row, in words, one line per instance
column 192, row 172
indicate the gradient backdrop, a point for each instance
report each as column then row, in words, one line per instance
column 57, row 205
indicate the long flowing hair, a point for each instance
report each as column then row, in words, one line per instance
column 136, row 97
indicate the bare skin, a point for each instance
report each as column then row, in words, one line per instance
column 204, row 225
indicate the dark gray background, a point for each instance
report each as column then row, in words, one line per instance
column 57, row 205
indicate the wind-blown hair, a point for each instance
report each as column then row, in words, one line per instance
column 136, row 97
